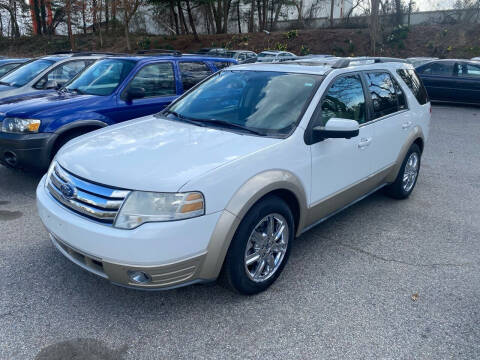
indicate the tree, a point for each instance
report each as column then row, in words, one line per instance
column 130, row 7
column 332, row 8
column 374, row 9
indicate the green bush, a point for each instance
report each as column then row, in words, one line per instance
column 292, row 34
column 304, row 50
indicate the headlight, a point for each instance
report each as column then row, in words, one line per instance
column 141, row 207
column 23, row 126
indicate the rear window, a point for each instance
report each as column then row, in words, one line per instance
column 415, row 84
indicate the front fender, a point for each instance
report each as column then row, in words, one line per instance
column 241, row 202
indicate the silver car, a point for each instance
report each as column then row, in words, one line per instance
column 45, row 73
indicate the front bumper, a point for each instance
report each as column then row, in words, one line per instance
column 26, row 150
column 171, row 253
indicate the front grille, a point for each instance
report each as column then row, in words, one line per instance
column 94, row 201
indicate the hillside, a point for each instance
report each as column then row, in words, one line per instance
column 453, row 41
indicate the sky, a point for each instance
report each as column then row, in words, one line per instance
column 425, row 5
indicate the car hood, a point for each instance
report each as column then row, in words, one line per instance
column 44, row 105
column 154, row 154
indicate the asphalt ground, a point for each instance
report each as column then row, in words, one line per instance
column 384, row 279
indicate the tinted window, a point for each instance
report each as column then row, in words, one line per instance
column 155, row 80
column 102, row 78
column 26, row 73
column 192, row 73
column 470, row 70
column 402, row 101
column 6, row 68
column 345, row 100
column 438, row 68
column 222, row 64
column 63, row 73
column 268, row 102
column 415, row 84
column 383, row 93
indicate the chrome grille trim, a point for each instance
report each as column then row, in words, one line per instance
column 97, row 202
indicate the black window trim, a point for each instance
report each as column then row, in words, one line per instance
column 370, row 102
column 307, row 136
column 124, row 91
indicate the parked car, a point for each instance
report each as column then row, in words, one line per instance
column 476, row 59
column 230, row 173
column 112, row 90
column 212, row 51
column 45, row 73
column 417, row 61
column 454, row 81
column 242, row 56
column 7, row 65
column 275, row 56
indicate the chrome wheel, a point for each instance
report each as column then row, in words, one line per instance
column 266, row 247
column 411, row 171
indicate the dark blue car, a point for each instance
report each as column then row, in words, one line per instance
column 110, row 91
column 7, row 65
column 452, row 81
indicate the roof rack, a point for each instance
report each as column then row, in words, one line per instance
column 85, row 53
column 159, row 52
column 343, row 63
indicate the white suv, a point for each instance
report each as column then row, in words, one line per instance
column 224, row 179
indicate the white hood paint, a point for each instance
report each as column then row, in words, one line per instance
column 154, row 154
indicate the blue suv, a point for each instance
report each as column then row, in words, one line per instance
column 110, row 91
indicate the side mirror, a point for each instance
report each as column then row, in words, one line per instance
column 134, row 93
column 51, row 84
column 336, row 128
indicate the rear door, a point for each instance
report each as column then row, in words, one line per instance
column 390, row 118
column 157, row 80
column 192, row 72
column 468, row 79
column 439, row 79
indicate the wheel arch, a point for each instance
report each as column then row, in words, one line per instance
column 273, row 182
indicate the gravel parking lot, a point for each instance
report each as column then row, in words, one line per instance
column 384, row 279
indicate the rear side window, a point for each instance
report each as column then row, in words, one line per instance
column 345, row 100
column 155, row 80
column 223, row 64
column 415, row 84
column 438, row 68
column 192, row 73
column 383, row 93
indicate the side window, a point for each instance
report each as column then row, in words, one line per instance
column 383, row 93
column 192, row 73
column 345, row 99
column 6, row 68
column 415, row 84
column 402, row 101
column 221, row 64
column 156, row 80
column 470, row 70
column 62, row 74
column 438, row 68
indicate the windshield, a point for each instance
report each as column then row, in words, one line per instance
column 6, row 68
column 102, row 78
column 270, row 103
column 263, row 54
column 26, row 73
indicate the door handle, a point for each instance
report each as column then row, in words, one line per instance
column 364, row 142
column 406, row 125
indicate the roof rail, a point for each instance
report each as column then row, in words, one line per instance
column 159, row 52
column 346, row 62
column 85, row 53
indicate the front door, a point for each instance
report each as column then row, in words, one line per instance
column 157, row 82
column 340, row 164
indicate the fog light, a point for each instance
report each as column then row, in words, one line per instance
column 139, row 277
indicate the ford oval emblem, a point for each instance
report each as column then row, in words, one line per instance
column 68, row 191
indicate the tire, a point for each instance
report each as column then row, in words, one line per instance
column 401, row 188
column 251, row 240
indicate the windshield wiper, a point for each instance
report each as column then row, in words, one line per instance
column 182, row 118
column 230, row 125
